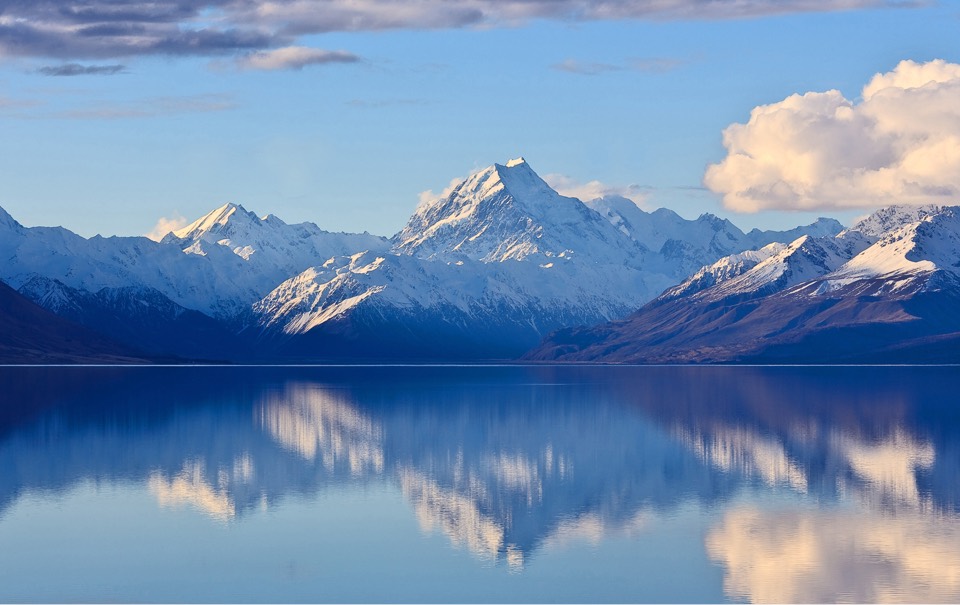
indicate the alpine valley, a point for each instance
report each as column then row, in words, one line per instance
column 487, row 272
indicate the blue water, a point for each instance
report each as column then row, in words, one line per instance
column 480, row 484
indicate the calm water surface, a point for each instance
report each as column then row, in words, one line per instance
column 480, row 484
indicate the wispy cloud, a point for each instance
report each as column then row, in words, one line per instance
column 572, row 66
column 99, row 29
column 151, row 108
column 165, row 225
column 294, row 57
column 11, row 103
column 380, row 103
column 592, row 190
column 648, row 65
column 657, row 65
column 76, row 69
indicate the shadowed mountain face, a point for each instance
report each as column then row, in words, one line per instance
column 503, row 461
column 31, row 334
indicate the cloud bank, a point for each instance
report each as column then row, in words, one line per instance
column 97, row 29
column 899, row 144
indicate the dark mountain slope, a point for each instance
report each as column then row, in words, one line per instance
column 31, row 334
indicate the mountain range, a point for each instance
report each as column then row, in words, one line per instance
column 884, row 290
column 487, row 271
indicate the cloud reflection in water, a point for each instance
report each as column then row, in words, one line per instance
column 511, row 462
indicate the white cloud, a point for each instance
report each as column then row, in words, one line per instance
column 591, row 190
column 165, row 225
column 294, row 57
column 819, row 150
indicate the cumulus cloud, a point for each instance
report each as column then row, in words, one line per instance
column 591, row 190
column 899, row 144
column 76, row 69
column 73, row 29
column 294, row 57
column 165, row 225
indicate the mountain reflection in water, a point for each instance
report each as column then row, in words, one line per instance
column 819, row 484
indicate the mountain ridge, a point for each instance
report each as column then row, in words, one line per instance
column 483, row 272
column 865, row 295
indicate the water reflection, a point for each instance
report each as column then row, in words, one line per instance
column 324, row 426
column 818, row 556
column 191, row 487
column 863, row 465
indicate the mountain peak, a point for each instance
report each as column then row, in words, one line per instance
column 216, row 220
column 521, row 181
column 506, row 211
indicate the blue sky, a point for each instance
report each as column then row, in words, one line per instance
column 349, row 141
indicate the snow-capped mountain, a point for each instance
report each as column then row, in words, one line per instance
column 887, row 219
column 804, row 259
column 885, row 289
column 271, row 249
column 485, row 271
column 396, row 305
column 507, row 212
column 685, row 245
column 220, row 265
column 212, row 284
column 929, row 244
column 724, row 270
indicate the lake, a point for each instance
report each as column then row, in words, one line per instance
column 480, row 484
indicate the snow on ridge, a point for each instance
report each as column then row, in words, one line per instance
column 884, row 220
column 773, row 268
column 725, row 269
column 926, row 245
column 211, row 221
column 822, row 265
